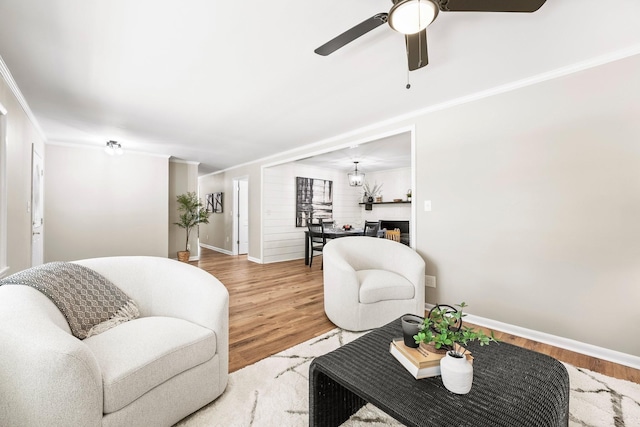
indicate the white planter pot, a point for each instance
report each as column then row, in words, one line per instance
column 457, row 374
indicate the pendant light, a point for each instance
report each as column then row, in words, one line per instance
column 356, row 179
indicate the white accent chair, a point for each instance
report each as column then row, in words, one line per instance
column 150, row 371
column 368, row 282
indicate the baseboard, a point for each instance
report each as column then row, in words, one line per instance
column 556, row 341
column 226, row 252
column 213, row 248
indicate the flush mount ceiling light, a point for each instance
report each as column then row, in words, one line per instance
column 113, row 148
column 356, row 179
column 412, row 16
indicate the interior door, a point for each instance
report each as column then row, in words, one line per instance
column 37, row 209
column 243, row 217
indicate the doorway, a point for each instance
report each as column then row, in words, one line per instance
column 241, row 216
column 37, row 208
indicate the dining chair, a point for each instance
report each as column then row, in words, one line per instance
column 317, row 239
column 328, row 223
column 371, row 228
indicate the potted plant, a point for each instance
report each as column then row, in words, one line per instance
column 192, row 213
column 443, row 329
column 408, row 195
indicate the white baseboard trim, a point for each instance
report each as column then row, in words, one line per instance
column 213, row 248
column 556, row 341
column 226, row 252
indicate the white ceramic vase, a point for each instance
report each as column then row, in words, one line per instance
column 457, row 374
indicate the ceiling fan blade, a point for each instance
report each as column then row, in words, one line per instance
column 417, row 49
column 352, row 34
column 490, row 5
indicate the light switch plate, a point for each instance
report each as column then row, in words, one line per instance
column 430, row 281
column 427, row 205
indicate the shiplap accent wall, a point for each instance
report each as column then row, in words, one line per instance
column 282, row 239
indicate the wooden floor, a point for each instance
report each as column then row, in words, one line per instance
column 275, row 306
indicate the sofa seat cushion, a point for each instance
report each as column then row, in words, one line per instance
column 136, row 356
column 382, row 285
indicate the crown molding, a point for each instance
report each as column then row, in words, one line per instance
column 398, row 120
column 187, row 162
column 13, row 86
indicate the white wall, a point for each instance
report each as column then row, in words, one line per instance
column 99, row 205
column 218, row 234
column 395, row 183
column 183, row 178
column 535, row 203
column 282, row 239
column 22, row 133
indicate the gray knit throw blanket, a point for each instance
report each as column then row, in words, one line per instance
column 90, row 302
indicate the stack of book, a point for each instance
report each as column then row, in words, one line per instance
column 421, row 362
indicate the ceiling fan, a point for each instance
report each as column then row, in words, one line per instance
column 411, row 18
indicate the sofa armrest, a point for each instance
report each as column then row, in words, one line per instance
column 48, row 377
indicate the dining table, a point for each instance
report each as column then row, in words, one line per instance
column 329, row 233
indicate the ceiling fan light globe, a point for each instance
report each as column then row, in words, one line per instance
column 412, row 16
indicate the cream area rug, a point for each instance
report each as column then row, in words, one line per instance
column 275, row 392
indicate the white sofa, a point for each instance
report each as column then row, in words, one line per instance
column 368, row 282
column 150, row 371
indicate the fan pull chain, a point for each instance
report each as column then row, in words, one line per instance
column 408, row 82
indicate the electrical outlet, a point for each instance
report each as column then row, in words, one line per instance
column 430, row 281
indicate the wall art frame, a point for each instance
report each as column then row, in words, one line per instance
column 314, row 200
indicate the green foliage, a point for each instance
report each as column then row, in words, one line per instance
column 192, row 213
column 443, row 327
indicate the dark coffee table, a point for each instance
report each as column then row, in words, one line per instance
column 512, row 387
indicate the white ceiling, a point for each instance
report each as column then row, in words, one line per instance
column 228, row 82
column 391, row 152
